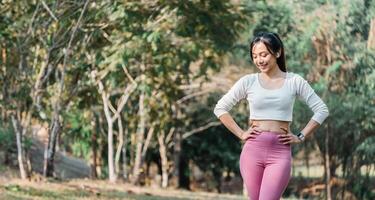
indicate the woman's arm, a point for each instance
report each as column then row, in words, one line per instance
column 305, row 92
column 237, row 92
column 291, row 138
column 229, row 122
column 310, row 128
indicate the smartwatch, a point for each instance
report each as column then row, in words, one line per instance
column 301, row 136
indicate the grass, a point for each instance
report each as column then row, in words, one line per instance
column 85, row 189
column 92, row 190
column 30, row 193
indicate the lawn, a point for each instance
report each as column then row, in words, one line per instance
column 88, row 189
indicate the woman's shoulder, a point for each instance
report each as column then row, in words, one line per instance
column 295, row 77
column 248, row 77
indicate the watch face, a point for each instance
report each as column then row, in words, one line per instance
column 302, row 137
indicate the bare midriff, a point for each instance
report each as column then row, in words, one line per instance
column 271, row 125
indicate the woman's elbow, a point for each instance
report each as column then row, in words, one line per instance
column 326, row 111
column 219, row 111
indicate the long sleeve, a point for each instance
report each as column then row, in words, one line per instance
column 232, row 97
column 315, row 103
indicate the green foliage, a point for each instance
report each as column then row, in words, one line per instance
column 215, row 150
column 361, row 186
column 165, row 45
column 7, row 137
column 275, row 18
column 78, row 136
column 366, row 151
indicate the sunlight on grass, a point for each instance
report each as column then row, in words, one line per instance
column 16, row 192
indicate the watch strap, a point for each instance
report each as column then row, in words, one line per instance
column 301, row 136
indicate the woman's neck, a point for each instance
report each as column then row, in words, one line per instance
column 274, row 73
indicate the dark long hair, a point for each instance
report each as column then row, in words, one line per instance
column 273, row 44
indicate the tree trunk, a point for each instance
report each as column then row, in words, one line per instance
column 124, row 156
column 111, row 166
column 94, row 147
column 371, row 35
column 107, row 106
column 55, row 130
column 176, row 158
column 55, row 127
column 20, row 155
column 217, row 177
column 140, row 138
column 177, row 140
column 147, row 143
column 327, row 167
column 94, row 165
column 133, row 144
column 101, row 146
column 120, row 145
column 164, row 160
column 184, row 179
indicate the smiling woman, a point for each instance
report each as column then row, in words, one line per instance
column 265, row 161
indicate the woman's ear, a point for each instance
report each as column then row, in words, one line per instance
column 278, row 54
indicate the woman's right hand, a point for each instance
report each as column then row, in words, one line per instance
column 251, row 133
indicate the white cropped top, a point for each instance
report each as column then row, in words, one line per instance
column 272, row 104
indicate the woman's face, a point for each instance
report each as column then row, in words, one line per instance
column 262, row 58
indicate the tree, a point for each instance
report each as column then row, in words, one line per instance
column 160, row 42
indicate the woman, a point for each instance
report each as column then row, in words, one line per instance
column 265, row 161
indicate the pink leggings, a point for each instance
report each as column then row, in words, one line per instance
column 265, row 165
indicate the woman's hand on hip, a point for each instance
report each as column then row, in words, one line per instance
column 288, row 137
column 250, row 133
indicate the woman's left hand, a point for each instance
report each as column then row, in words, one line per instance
column 289, row 137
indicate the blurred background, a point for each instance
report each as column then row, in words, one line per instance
column 122, row 93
